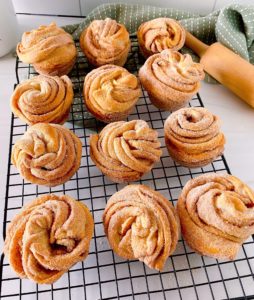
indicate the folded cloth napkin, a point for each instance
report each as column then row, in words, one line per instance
column 233, row 26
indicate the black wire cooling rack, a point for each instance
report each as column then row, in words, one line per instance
column 103, row 275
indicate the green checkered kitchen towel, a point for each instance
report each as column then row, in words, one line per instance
column 233, row 26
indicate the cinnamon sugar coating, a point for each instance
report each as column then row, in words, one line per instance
column 49, row 49
column 47, row 154
column 171, row 79
column 43, row 98
column 193, row 137
column 217, row 214
column 124, row 151
column 105, row 42
column 159, row 34
column 110, row 93
column 141, row 224
column 48, row 237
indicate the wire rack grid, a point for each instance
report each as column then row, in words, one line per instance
column 103, row 275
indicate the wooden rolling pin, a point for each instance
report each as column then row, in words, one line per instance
column 226, row 67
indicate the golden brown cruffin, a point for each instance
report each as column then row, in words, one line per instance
column 47, row 154
column 110, row 92
column 124, row 151
column 49, row 49
column 159, row 34
column 43, row 99
column 141, row 224
column 193, row 137
column 216, row 214
column 105, row 42
column 171, row 79
column 48, row 237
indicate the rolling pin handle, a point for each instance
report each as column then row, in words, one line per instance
column 196, row 45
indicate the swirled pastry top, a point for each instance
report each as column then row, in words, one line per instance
column 175, row 70
column 43, row 99
column 193, row 126
column 46, row 42
column 47, row 154
column 125, row 150
column 47, row 237
column 111, row 89
column 193, row 136
column 159, row 34
column 141, row 224
column 105, row 39
column 222, row 205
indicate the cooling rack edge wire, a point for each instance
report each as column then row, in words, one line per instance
column 103, row 275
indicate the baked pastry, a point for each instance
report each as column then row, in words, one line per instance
column 110, row 92
column 193, row 137
column 43, row 99
column 47, row 154
column 105, row 42
column 124, row 151
column 160, row 34
column 48, row 237
column 171, row 79
column 49, row 49
column 216, row 214
column 141, row 224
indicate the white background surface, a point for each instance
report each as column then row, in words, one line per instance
column 83, row 7
column 237, row 117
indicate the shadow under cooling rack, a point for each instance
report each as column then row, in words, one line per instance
column 103, row 275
